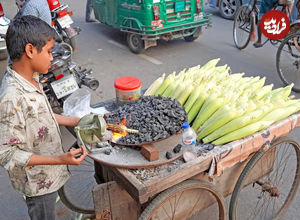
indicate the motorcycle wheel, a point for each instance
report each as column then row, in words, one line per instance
column 72, row 42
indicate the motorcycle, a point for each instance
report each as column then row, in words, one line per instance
column 64, row 77
column 61, row 21
column 4, row 22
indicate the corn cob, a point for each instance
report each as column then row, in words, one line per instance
column 197, row 106
column 178, row 90
column 165, row 84
column 208, row 108
column 192, row 98
column 210, row 64
column 255, row 86
column 185, row 94
column 155, row 85
column 171, row 89
column 240, row 122
column 218, row 122
column 260, row 93
column 243, row 132
column 283, row 112
column 181, row 88
column 282, row 93
column 219, row 112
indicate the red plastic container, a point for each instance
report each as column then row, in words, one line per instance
column 127, row 88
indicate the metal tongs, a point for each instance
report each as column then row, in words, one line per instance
column 121, row 128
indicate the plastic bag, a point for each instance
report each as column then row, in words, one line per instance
column 78, row 104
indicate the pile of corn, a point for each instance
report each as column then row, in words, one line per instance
column 223, row 107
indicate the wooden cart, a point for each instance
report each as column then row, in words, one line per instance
column 262, row 172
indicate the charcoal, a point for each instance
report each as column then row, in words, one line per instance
column 169, row 155
column 177, row 148
column 155, row 117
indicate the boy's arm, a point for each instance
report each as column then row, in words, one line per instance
column 68, row 158
column 66, row 120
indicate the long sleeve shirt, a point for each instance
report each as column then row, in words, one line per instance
column 28, row 126
column 37, row 8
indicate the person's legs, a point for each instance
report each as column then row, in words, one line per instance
column 259, row 35
column 88, row 11
column 288, row 10
column 252, row 37
column 42, row 207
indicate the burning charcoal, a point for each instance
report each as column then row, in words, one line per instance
column 177, row 148
column 155, row 117
column 169, row 155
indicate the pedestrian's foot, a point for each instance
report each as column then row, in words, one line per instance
column 257, row 45
column 252, row 37
column 90, row 20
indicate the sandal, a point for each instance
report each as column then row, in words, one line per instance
column 257, row 45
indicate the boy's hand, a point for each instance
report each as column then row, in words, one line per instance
column 74, row 156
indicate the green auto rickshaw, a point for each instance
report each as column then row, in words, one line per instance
column 146, row 21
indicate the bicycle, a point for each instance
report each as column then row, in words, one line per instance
column 288, row 56
column 288, row 61
column 288, row 53
column 244, row 23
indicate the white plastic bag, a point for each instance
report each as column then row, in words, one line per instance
column 78, row 104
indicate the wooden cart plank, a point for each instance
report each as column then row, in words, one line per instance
column 143, row 192
column 113, row 202
column 124, row 177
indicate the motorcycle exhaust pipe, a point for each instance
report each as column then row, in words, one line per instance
column 91, row 83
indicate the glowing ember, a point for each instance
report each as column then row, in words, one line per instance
column 118, row 135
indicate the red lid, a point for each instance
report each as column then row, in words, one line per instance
column 127, row 83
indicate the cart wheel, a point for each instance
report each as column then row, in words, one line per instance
column 191, row 199
column 135, row 43
column 76, row 194
column 268, row 183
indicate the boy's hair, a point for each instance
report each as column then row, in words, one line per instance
column 24, row 30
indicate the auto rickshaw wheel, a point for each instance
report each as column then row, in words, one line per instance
column 193, row 36
column 135, row 43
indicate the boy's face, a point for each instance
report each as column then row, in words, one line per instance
column 42, row 59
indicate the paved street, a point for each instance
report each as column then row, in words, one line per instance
column 104, row 50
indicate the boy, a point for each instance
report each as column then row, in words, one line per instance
column 30, row 141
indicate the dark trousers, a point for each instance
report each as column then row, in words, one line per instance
column 88, row 10
column 42, row 207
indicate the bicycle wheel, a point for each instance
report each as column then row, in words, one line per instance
column 288, row 61
column 268, row 183
column 242, row 27
column 76, row 194
column 191, row 199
